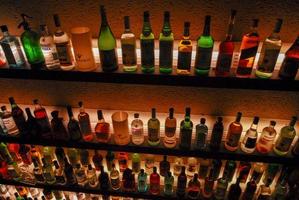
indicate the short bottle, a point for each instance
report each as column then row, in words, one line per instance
column 104, row 180
column 142, row 181
column 154, row 187
column 208, row 189
column 193, row 189
column 59, row 174
column 48, row 172
column 201, row 131
column 84, row 121
column 217, row 133
column 164, row 166
column 153, row 125
column 185, row 52
column 136, row 162
column 137, row 130
column 92, row 177
column 114, row 178
column 168, row 184
column 186, row 128
column 58, row 130
column 234, row 134
column 80, row 174
column 41, row 116
column 249, row 141
column 102, row 129
column 181, row 183
column 9, row 122
column 169, row 140
column 73, row 126
column 266, row 142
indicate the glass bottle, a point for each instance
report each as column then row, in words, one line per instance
column 243, row 170
column 221, row 188
column 48, row 172
column 153, row 125
column 204, row 165
column 177, row 166
column 249, row 46
column 128, row 180
column 266, row 142
column 258, row 171
column 269, row 53
column 295, row 150
column 226, row 49
column 230, row 169
column 84, row 157
column 12, row 49
column 18, row 197
column 169, row 140
column 18, row 116
column 63, row 46
column 114, row 178
column 216, row 136
column 32, row 48
column 58, row 130
column 249, row 141
column 285, row 138
column 9, row 122
column 24, row 152
column 41, row 116
column 123, row 159
column 154, row 187
column 102, row 129
column 3, row 130
column 168, row 184
column 164, row 166
column 104, row 180
column 280, row 190
column 14, row 172
column 234, row 134
column 97, row 159
column 73, row 155
column 136, row 162
column 5, row 154
column 109, row 160
column 80, row 174
column 59, row 174
column 137, row 130
column 192, row 167
column 147, row 45
column 193, row 189
column 201, row 130
column 49, row 49
column 32, row 125
column 128, row 47
column 38, row 173
column 166, row 46
column 235, row 190
column 271, row 172
column 13, row 149
column 92, row 177
column 69, row 173
column 216, row 165
column 107, row 45
column 60, row 155
column 204, row 50
column 149, row 162
column 186, row 127
column 142, row 181
column 181, row 183
column 73, row 126
column 84, row 121
column 207, row 191
column 264, row 192
column 185, row 52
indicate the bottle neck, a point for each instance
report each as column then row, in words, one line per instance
column 147, row 29
column 166, row 28
column 253, row 127
column 206, row 30
column 6, row 34
column 229, row 35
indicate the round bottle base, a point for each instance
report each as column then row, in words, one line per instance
column 263, row 75
column 130, row 68
column 202, row 72
column 165, row 70
column 148, row 70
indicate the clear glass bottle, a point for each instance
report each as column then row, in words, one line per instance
column 153, row 126
column 168, row 184
column 201, row 130
column 18, row 116
column 137, row 130
column 80, row 174
column 177, row 165
column 234, row 134
column 186, row 128
column 41, row 116
column 114, row 178
column 92, row 177
column 59, row 174
column 48, row 172
column 84, row 121
column 185, row 52
column 136, row 162
column 164, row 166
column 154, row 187
column 216, row 136
column 9, row 122
column 169, row 140
column 102, row 129
column 142, row 181
column 249, row 141
column 73, row 126
column 192, row 166
column 266, row 142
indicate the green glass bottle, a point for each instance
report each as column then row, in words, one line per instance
column 107, row 45
column 186, row 131
column 166, row 46
column 204, row 50
column 153, row 125
column 147, row 44
column 32, row 48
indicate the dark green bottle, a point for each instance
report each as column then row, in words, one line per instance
column 32, row 48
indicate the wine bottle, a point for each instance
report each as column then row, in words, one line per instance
column 114, row 178
column 201, row 134
column 73, row 126
column 181, row 183
column 234, row 134
column 128, row 180
column 186, row 127
column 217, row 134
column 249, row 141
column 9, row 122
column 234, row 191
column 266, row 141
column 153, row 129
column 41, row 116
column 104, row 180
column 164, row 166
column 207, row 191
column 18, row 116
column 185, row 52
column 170, row 130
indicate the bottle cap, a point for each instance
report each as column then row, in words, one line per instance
column 127, row 22
column 4, row 28
column 278, row 25
column 146, row 16
column 256, row 120
column 272, row 123
column 11, row 100
column 56, row 20
column 188, row 111
column 239, row 115
column 136, row 115
column 208, row 19
column 293, row 121
column 142, row 171
column 202, row 120
column 24, row 23
column 219, row 119
column 100, row 114
column 166, row 15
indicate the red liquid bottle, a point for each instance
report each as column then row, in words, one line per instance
column 43, row 120
column 154, row 182
column 85, row 125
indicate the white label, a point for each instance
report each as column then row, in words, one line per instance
column 10, row 125
column 50, row 54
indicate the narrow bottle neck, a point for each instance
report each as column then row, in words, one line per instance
column 253, row 127
column 206, row 30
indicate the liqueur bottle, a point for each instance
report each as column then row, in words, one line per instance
column 201, row 134
column 128, row 180
column 102, row 129
column 92, row 177
column 49, row 49
column 181, row 183
column 12, row 49
column 185, row 52
column 235, row 190
column 166, row 46
column 204, row 50
column 285, row 138
column 269, row 53
column 32, row 125
column 73, row 126
column 9, row 122
column 153, row 129
column 154, row 187
column 207, row 191
column 168, row 184
column 97, row 160
column 250, row 189
column 221, row 188
column 249, row 46
column 249, row 142
column 41, row 116
column 59, row 174
column 266, row 142
column 128, row 48
column 69, row 173
column 217, row 134
column 164, row 166
column 226, row 49
column 147, row 44
column 137, row 130
column 234, row 134
column 186, row 127
column 193, row 189
column 63, row 46
column 142, row 181
column 58, row 130
column 104, row 180
column 230, row 169
column 169, row 140
column 114, row 178
column 48, row 172
column 136, row 162
column 84, row 121
column 32, row 48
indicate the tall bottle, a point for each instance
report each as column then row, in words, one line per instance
column 32, row 48
column 33, row 127
column 169, row 140
column 185, row 52
column 12, row 49
column 154, row 182
column 204, row 50
column 153, row 129
column 266, row 141
column 147, row 44
column 226, row 49
column 186, row 128
column 249, row 46
column 58, row 130
column 9, row 122
column 250, row 189
column 137, row 130
column 249, row 141
column 234, row 134
column 201, row 134
column 102, row 129
column 230, row 169
column 104, row 180
column 69, row 173
column 208, row 189
column 164, row 166
column 166, row 46
column 18, row 115
column 217, row 134
column 269, row 53
column 84, row 121
column 181, row 183
column 168, row 184
column 73, row 126
column 63, row 46
column 41, row 116
column 285, row 138
column 221, row 188
column 235, row 190
column 142, row 181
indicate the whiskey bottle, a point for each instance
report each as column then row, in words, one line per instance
column 208, row 189
column 73, row 126
column 80, row 174
column 142, row 181
column 136, row 162
column 249, row 142
column 92, row 177
column 84, row 121
column 217, row 134
column 234, row 134
column 266, row 142
column 185, row 52
column 59, row 174
column 128, row 48
column 104, row 180
column 164, row 166
column 153, row 130
column 168, row 184
column 128, row 180
column 114, row 178
column 32, row 125
column 235, row 190
column 9, row 122
column 58, row 130
column 48, row 172
column 201, row 134
column 193, row 189
column 186, row 127
column 102, row 129
column 230, row 169
column 69, row 173
column 41, row 116
column 169, row 140
column 154, row 187
column 181, row 183
column 137, row 130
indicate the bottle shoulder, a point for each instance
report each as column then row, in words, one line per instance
column 61, row 37
column 205, row 41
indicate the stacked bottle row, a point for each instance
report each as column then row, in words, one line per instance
column 56, row 53
column 184, row 177
column 14, row 123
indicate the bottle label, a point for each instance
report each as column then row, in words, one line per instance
column 250, row 142
column 247, row 57
column 137, row 132
column 115, row 182
column 10, row 125
column 170, row 131
column 184, row 60
column 203, row 58
column 50, row 54
column 15, row 50
column 108, row 59
column 284, row 144
column 268, row 60
column 224, row 62
column 64, row 53
column 93, row 180
column 233, row 139
column 153, row 134
column 289, row 67
column 166, row 51
column 148, row 53
column 60, row 179
column 129, row 54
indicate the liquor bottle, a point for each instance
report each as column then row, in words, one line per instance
column 123, row 160
column 290, row 64
column 18, row 197
column 234, row 134
column 221, row 188
column 226, row 49
column 14, row 172
column 169, row 140
column 249, row 141
column 114, row 178
column 204, row 165
column 153, row 125
column 168, row 184
column 32, row 125
column 128, row 48
column 207, row 191
column 270, row 173
column 295, row 150
column 217, row 133
column 60, row 155
column 164, row 166
column 128, row 180
column 201, row 134
column 92, row 177
column 9, row 122
column 147, row 44
column 216, row 165
column 166, row 46
column 63, row 46
column 177, row 165
column 250, row 189
column 136, row 162
column 58, row 130
column 73, row 126
column 258, row 171
column 5, row 155
column 3, row 130
column 264, row 192
column 84, row 157
column 154, row 187
column 181, row 183
column 109, row 160
column 2, row 57
column 280, row 190
column 97, row 159
column 80, row 174
column 49, row 49
column 38, row 173
column 13, row 149
column 193, row 189
column 41, row 116
column 12, row 49
column 24, row 152
column 104, row 180
column 285, row 138
column 32, row 48
column 235, row 190
column 191, row 166
column 204, row 50
column 142, row 181
column 18, row 115
column 186, row 127
column 149, row 163
column 59, row 174
column 102, row 129
column 243, row 171
column 137, row 130
column 266, row 142
column 48, row 172
column 230, row 169
column 249, row 46
column 69, row 173
column 73, row 156
column 84, row 121
column 269, row 53
column 185, row 52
